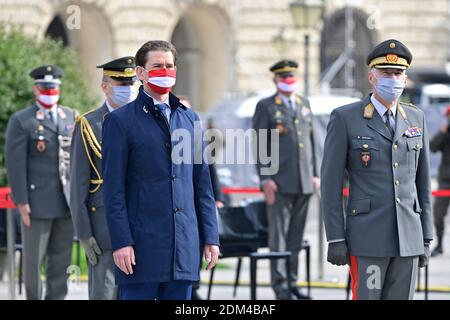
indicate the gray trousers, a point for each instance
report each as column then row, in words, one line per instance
column 376, row 278
column 287, row 219
column 101, row 278
column 48, row 242
column 440, row 209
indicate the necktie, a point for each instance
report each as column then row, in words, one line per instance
column 389, row 115
column 51, row 117
column 162, row 107
column 291, row 104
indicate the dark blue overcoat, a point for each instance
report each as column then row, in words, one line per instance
column 164, row 210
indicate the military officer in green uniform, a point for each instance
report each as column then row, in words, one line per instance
column 86, row 201
column 37, row 164
column 382, row 144
column 287, row 191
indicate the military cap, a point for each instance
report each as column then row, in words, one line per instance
column 390, row 54
column 284, row 67
column 120, row 69
column 47, row 74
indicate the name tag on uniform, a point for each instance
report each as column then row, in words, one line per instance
column 413, row 132
column 364, row 138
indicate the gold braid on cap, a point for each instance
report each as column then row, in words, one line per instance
column 127, row 73
column 383, row 60
column 88, row 137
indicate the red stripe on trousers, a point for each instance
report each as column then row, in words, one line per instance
column 354, row 276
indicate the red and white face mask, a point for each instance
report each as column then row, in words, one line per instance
column 287, row 85
column 161, row 80
column 48, row 97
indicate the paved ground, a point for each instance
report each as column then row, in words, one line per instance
column 329, row 285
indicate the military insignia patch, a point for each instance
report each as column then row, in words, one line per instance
column 40, row 145
column 413, row 132
column 278, row 101
column 40, row 115
column 366, row 158
column 279, row 122
column 61, row 113
column 368, row 111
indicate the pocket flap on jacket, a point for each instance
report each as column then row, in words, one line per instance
column 94, row 203
column 414, row 144
column 365, row 144
column 359, row 206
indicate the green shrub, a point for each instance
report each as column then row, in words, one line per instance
column 19, row 54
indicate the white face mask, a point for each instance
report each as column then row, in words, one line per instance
column 123, row 95
column 390, row 89
column 288, row 88
column 48, row 100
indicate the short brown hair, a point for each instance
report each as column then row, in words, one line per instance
column 154, row 45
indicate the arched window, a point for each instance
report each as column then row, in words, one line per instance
column 57, row 31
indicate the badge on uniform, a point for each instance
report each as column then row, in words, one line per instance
column 366, row 158
column 279, row 122
column 40, row 115
column 40, row 146
column 61, row 113
column 69, row 127
column 413, row 132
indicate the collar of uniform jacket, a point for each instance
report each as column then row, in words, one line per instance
column 150, row 106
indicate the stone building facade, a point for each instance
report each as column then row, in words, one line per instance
column 226, row 46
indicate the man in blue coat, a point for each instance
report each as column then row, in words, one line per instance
column 160, row 210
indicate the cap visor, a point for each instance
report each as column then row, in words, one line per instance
column 390, row 66
column 57, row 81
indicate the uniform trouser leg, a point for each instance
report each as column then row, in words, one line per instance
column 287, row 218
column 440, row 209
column 376, row 278
column 34, row 239
column 59, row 256
column 101, row 278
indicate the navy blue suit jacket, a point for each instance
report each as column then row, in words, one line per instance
column 166, row 211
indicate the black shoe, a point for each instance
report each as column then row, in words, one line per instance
column 284, row 295
column 195, row 295
column 437, row 251
column 300, row 296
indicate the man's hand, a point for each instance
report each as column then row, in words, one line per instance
column 316, row 182
column 269, row 189
column 124, row 259
column 91, row 249
column 211, row 254
column 25, row 212
column 219, row 204
column 425, row 258
column 338, row 253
